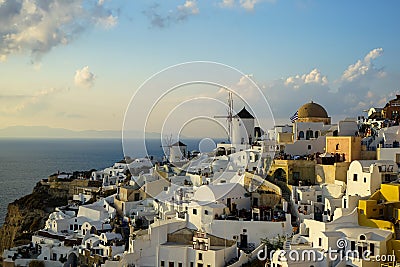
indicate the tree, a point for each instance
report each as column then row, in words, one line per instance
column 273, row 243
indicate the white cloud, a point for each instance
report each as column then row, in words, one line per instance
column 364, row 67
column 314, row 77
column 361, row 86
column 248, row 5
column 36, row 26
column 189, row 7
column 227, row 3
column 108, row 22
column 245, row 80
column 10, row 106
column 84, row 78
column 375, row 53
column 179, row 14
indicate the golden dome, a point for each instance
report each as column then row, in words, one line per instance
column 312, row 110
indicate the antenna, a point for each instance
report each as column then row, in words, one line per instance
column 230, row 114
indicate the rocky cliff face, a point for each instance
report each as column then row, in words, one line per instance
column 29, row 214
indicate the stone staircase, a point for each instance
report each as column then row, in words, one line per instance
column 287, row 244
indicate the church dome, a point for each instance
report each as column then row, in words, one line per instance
column 312, row 110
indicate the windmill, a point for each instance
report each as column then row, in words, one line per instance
column 230, row 114
column 168, row 141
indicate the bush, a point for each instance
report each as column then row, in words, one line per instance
column 36, row 263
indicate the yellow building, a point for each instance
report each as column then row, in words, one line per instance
column 382, row 211
column 331, row 173
column 293, row 171
column 349, row 146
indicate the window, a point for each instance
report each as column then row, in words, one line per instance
column 171, row 264
column 365, row 179
column 137, row 196
column 320, row 242
column 353, row 245
column 162, row 264
column 372, row 249
column 316, row 134
column 309, row 134
column 355, row 177
column 309, row 147
column 206, row 212
column 195, row 211
column 301, row 135
column 191, row 264
column 200, row 256
column 180, row 264
column 337, row 146
column 244, row 230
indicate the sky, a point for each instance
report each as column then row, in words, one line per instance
column 77, row 64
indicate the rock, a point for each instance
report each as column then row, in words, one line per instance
column 29, row 214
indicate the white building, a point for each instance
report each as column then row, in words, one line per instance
column 98, row 211
column 364, row 177
column 177, row 152
column 242, row 129
column 343, row 235
column 230, row 194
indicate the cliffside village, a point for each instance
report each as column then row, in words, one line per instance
column 313, row 185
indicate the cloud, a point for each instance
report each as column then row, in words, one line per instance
column 14, row 104
column 84, row 78
column 227, row 3
column 37, row 26
column 70, row 115
column 364, row 67
column 361, row 86
column 248, row 5
column 179, row 14
column 314, row 76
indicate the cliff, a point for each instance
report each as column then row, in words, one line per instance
column 29, row 214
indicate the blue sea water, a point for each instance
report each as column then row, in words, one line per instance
column 24, row 162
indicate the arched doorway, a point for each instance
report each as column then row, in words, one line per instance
column 280, row 175
column 72, row 260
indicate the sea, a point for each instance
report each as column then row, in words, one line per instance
column 24, row 162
